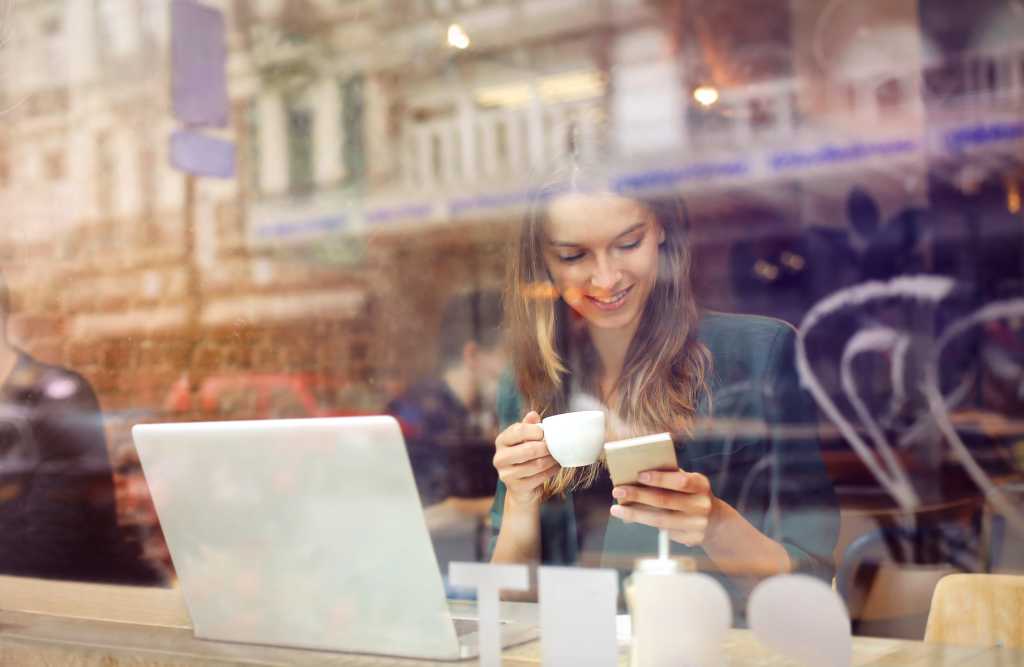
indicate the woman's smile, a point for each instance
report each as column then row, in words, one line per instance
column 610, row 302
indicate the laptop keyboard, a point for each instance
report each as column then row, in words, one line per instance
column 465, row 626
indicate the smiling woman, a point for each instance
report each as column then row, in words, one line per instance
column 618, row 323
column 619, row 327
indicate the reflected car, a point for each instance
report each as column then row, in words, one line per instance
column 252, row 396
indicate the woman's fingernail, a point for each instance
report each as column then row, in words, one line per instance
column 644, row 477
column 617, row 511
column 618, row 493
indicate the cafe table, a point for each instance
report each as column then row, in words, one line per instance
column 33, row 633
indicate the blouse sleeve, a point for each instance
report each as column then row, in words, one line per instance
column 557, row 519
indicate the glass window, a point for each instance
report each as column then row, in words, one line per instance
column 789, row 236
column 300, row 150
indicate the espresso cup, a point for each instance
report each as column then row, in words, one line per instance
column 575, row 438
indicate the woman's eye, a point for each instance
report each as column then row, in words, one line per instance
column 631, row 244
column 571, row 258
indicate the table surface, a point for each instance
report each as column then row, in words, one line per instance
column 43, row 639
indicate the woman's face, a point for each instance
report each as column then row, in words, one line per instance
column 602, row 253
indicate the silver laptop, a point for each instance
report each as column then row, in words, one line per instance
column 305, row 533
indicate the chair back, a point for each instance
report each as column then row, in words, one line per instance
column 977, row 610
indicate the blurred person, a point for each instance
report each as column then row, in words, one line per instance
column 448, row 418
column 600, row 308
column 137, row 510
column 57, row 504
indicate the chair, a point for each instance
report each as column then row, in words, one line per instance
column 977, row 610
column 889, row 564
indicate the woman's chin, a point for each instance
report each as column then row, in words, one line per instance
column 599, row 319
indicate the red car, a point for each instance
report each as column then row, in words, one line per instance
column 252, row 396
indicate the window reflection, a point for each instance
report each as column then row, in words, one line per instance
column 386, row 155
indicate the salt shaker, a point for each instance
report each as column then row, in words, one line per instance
column 679, row 616
column 645, row 567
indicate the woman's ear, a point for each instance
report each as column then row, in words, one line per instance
column 661, row 233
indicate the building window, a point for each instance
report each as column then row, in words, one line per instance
column 352, row 115
column 147, row 175
column 104, row 175
column 300, row 151
column 252, row 140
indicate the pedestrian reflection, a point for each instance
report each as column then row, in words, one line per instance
column 449, row 424
column 57, row 503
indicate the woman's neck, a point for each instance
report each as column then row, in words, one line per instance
column 611, row 346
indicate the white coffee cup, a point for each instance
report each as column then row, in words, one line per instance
column 575, row 438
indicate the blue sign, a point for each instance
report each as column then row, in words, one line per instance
column 200, row 155
column 315, row 227
column 199, row 92
column 977, row 135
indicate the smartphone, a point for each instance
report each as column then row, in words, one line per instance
column 628, row 458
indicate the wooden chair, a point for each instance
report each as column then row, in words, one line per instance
column 977, row 610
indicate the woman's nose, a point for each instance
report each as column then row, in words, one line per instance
column 606, row 275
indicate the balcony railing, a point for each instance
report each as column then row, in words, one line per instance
column 481, row 145
column 488, row 144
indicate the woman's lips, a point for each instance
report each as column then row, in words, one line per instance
column 613, row 302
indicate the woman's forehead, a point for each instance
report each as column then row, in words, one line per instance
column 592, row 217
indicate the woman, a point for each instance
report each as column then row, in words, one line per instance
column 600, row 305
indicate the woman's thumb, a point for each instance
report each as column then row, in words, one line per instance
column 531, row 417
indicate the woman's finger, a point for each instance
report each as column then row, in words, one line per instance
column 676, row 480
column 512, row 473
column 518, row 433
column 531, row 468
column 527, row 451
column 523, row 453
column 658, row 518
column 677, row 501
column 527, row 433
column 539, row 478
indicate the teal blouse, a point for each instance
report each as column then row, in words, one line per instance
column 774, row 477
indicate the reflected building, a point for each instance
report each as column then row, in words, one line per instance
column 371, row 121
column 371, row 149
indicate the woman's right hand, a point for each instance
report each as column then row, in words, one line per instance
column 522, row 460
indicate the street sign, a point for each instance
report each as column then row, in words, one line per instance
column 199, row 155
column 199, row 91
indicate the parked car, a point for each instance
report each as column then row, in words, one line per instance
column 253, row 396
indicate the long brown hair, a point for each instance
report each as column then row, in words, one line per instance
column 666, row 367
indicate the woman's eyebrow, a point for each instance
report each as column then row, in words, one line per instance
column 631, row 229
column 626, row 232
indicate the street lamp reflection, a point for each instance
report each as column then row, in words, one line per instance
column 705, row 95
column 457, row 37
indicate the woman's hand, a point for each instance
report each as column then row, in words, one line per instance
column 522, row 460
column 678, row 501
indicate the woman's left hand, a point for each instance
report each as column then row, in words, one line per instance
column 678, row 501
